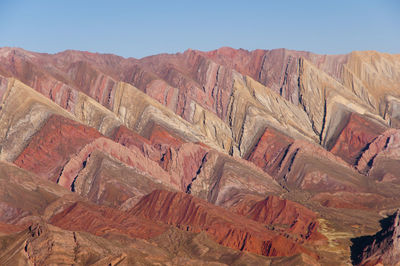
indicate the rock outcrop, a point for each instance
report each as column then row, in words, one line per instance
column 381, row 249
column 278, row 212
column 52, row 146
column 191, row 214
column 380, row 159
column 355, row 137
column 100, row 220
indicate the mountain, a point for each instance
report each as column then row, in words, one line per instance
column 223, row 157
column 381, row 248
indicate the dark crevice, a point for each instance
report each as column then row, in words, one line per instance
column 216, row 83
column 371, row 162
column 76, row 248
column 300, row 89
column 366, row 147
column 51, row 94
column 285, row 77
column 252, row 149
column 68, row 99
column 261, row 68
column 386, row 143
column 362, row 245
column 216, row 175
column 292, row 159
column 76, row 177
column 73, row 184
column 244, row 242
column 231, row 150
column 109, row 97
column 300, row 96
column 230, row 120
column 58, row 178
column 283, row 181
column 323, row 122
column 241, row 132
column 284, row 155
column 203, row 161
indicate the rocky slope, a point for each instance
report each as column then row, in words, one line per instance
column 223, row 157
column 383, row 247
column 191, row 214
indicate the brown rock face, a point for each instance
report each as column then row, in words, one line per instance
column 380, row 160
column 349, row 200
column 158, row 145
column 10, row 228
column 355, row 137
column 127, row 156
column 129, row 138
column 300, row 164
column 181, row 160
column 64, row 147
column 44, row 244
column 382, row 248
column 51, row 148
column 107, row 181
column 197, row 78
column 270, row 150
column 102, row 220
column 300, row 221
column 191, row 214
column 276, row 69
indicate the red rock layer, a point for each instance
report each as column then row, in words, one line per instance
column 164, row 145
column 157, row 146
column 276, row 211
column 231, row 230
column 51, row 147
column 28, row 68
column 349, row 200
column 276, row 69
column 62, row 146
column 354, row 137
column 175, row 80
column 10, row 228
column 101, row 220
column 181, row 160
column 387, row 147
column 196, row 77
column 298, row 163
column 92, row 82
column 129, row 138
column 187, row 163
column 127, row 156
column 161, row 136
column 269, row 151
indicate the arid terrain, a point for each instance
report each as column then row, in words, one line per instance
column 226, row 157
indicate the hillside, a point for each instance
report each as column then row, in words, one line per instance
column 226, row 157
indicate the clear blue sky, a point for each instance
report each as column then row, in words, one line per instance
column 141, row 28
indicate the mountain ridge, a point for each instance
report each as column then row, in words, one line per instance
column 234, row 134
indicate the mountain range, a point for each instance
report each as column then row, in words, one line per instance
column 226, row 157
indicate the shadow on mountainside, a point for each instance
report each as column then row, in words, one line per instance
column 361, row 243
